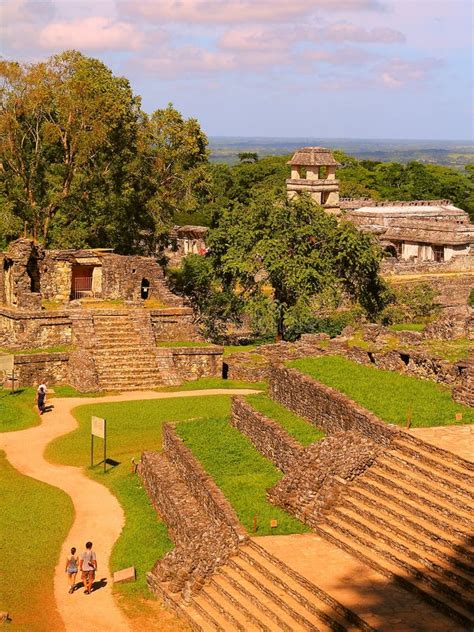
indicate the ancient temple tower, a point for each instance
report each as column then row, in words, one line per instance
column 313, row 171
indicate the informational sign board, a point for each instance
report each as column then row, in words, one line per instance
column 98, row 427
column 6, row 363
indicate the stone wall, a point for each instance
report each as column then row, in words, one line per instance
column 20, row 272
column 82, row 371
column 267, row 435
column 191, row 363
column 35, row 368
column 174, row 323
column 201, row 522
column 122, row 278
column 461, row 263
column 325, row 407
column 313, row 486
column 23, row 330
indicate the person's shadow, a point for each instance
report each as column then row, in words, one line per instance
column 48, row 408
column 101, row 583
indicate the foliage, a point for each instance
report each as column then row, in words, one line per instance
column 214, row 305
column 241, row 472
column 82, row 165
column 297, row 250
column 299, row 428
column 34, row 521
column 248, row 156
column 332, row 324
column 470, row 300
column 390, row 395
column 410, row 304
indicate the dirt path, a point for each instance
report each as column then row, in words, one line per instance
column 98, row 515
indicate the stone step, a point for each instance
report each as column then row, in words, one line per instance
column 397, row 543
column 273, row 597
column 437, row 522
column 313, row 593
column 417, row 534
column 424, row 484
column 454, row 465
column 370, row 555
column 438, row 475
column 421, row 498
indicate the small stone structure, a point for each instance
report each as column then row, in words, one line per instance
column 184, row 241
column 313, row 171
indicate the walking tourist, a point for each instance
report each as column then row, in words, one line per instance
column 88, row 566
column 72, row 566
column 40, row 398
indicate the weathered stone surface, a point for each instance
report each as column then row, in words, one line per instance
column 325, row 407
column 125, row 575
column 201, row 522
column 20, row 275
column 33, row 329
column 315, row 483
column 36, row 368
column 268, row 436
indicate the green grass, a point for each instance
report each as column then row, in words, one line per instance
column 184, row 343
column 241, row 472
column 213, row 382
column 392, row 396
column 132, row 427
column 56, row 349
column 17, row 410
column 408, row 327
column 299, row 428
column 450, row 350
column 228, row 349
column 34, row 521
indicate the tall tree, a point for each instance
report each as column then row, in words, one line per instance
column 66, row 127
column 281, row 253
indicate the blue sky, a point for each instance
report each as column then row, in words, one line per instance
column 313, row 68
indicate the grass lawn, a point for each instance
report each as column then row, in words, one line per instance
column 18, row 409
column 299, row 428
column 213, row 382
column 408, row 327
column 56, row 349
column 450, row 350
column 241, row 472
column 132, row 427
column 390, row 395
column 34, row 520
column 184, row 343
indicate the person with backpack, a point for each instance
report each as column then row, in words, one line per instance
column 72, row 566
column 88, row 566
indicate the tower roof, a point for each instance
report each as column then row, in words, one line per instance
column 314, row 157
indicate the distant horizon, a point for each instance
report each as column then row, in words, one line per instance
column 344, row 138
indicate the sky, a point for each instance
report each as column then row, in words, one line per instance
column 395, row 69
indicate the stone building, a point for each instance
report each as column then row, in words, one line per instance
column 418, row 231
column 184, row 241
column 313, row 171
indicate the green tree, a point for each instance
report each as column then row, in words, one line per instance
column 65, row 127
column 289, row 251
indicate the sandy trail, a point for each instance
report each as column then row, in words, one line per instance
column 98, row 515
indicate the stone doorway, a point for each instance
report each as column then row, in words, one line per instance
column 81, row 281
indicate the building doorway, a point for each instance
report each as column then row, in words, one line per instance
column 438, row 253
column 81, row 281
column 145, row 289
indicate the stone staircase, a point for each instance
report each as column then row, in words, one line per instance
column 256, row 591
column 410, row 517
column 125, row 352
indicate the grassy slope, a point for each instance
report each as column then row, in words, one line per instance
column 391, row 396
column 34, row 520
column 213, row 382
column 132, row 428
column 17, row 410
column 300, row 429
column 241, row 472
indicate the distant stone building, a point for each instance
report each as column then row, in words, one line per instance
column 313, row 171
column 418, row 231
column 422, row 230
column 184, row 241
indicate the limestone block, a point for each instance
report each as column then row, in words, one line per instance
column 125, row 575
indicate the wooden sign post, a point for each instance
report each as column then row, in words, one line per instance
column 98, row 429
